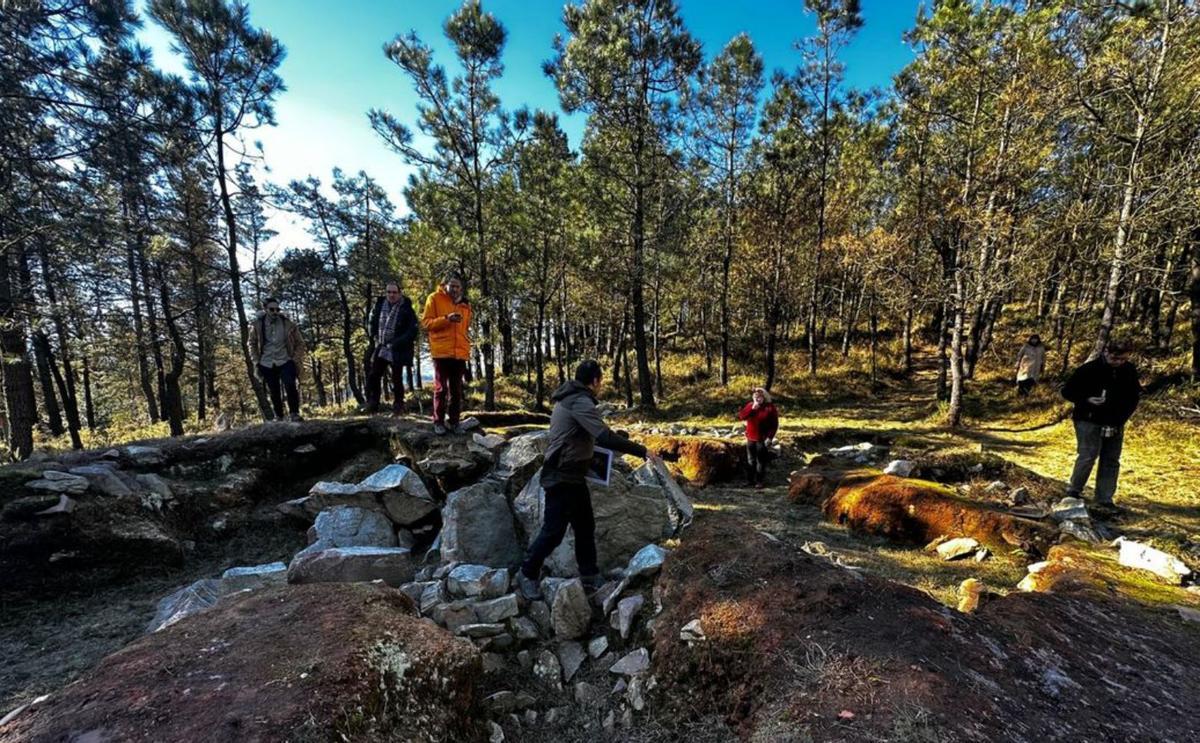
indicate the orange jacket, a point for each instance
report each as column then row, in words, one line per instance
column 447, row 340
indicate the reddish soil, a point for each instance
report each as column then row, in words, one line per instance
column 800, row 649
column 291, row 663
column 702, row 461
column 913, row 511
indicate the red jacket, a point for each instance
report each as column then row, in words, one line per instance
column 761, row 424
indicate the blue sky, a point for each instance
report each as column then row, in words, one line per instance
column 335, row 69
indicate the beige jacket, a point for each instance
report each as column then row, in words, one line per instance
column 293, row 339
column 1030, row 362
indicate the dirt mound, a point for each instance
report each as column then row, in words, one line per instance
column 913, row 511
column 701, row 460
column 1075, row 566
column 797, row 648
column 310, row 662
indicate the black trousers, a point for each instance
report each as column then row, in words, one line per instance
column 375, row 372
column 285, row 377
column 567, row 504
column 1025, row 386
column 756, row 461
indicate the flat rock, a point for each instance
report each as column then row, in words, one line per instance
column 477, row 526
column 252, row 577
column 1080, row 529
column 1144, row 557
column 478, row 630
column 191, row 599
column 1067, row 509
column 56, row 482
column 953, row 549
column 524, row 629
column 103, row 479
column 393, row 565
column 633, row 664
column 679, row 505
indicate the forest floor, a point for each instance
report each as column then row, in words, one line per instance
column 50, row 639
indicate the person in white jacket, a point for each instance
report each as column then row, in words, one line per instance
column 1030, row 362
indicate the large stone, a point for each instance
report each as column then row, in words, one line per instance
column 522, row 459
column 477, row 581
column 347, row 526
column 1144, row 557
column 103, row 479
column 497, row 610
column 53, row 481
column 396, row 490
column 633, row 664
column 286, row 663
column 477, row 526
column 191, row 599
column 454, row 466
column 20, row 509
column 628, row 516
column 253, row 577
column 648, row 561
column 491, row 442
column 392, row 565
column 1080, row 529
column 570, row 612
column 144, row 456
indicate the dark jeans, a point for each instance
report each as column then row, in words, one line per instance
column 1091, row 445
column 567, row 504
column 448, row 390
column 1025, row 386
column 375, row 372
column 283, row 376
column 756, row 460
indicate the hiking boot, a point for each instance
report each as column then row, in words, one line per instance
column 439, row 429
column 591, row 583
column 528, row 587
column 459, row 430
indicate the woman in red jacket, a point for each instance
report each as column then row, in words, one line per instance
column 762, row 421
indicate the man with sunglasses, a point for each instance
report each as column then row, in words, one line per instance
column 393, row 330
column 1105, row 391
column 278, row 351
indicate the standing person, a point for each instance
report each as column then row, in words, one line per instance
column 575, row 429
column 1030, row 362
column 277, row 349
column 762, row 422
column 393, row 328
column 446, row 318
column 1105, row 391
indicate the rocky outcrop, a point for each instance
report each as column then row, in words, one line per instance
column 346, row 662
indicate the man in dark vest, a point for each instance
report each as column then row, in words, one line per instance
column 393, row 331
column 1105, row 391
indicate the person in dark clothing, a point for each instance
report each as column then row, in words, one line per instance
column 393, row 330
column 277, row 350
column 575, row 428
column 1105, row 391
column 762, row 422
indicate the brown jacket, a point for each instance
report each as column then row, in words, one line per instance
column 292, row 339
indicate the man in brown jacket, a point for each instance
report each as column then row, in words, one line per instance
column 278, row 351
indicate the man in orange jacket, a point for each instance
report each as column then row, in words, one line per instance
column 446, row 318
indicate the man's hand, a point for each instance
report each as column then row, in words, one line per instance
column 1098, row 400
column 454, row 317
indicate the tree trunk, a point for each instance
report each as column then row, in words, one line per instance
column 172, row 392
column 957, row 376
column 18, row 374
column 42, row 355
column 235, row 274
column 1194, row 296
column 89, row 406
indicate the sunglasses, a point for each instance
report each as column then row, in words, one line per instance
column 272, row 309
